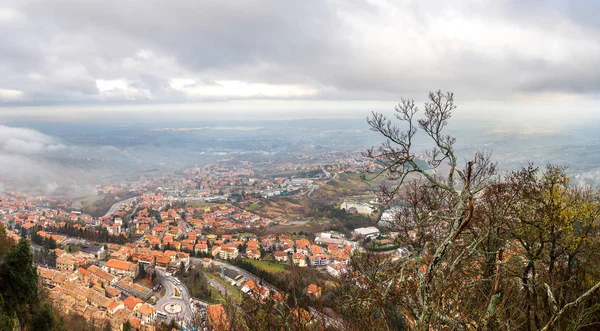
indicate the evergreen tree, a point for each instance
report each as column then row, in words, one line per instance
column 43, row 319
column 18, row 280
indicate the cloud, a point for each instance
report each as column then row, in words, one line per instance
column 10, row 95
column 25, row 158
column 238, row 89
column 121, row 89
column 99, row 52
column 24, row 141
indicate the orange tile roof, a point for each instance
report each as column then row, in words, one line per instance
column 162, row 259
column 83, row 271
column 146, row 309
column 313, row 288
column 113, row 305
column 121, row 265
column 131, row 302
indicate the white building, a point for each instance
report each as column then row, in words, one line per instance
column 361, row 208
column 388, row 217
column 147, row 313
column 336, row 269
column 368, row 232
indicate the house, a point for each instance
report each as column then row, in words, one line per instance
column 132, row 302
column 252, row 253
column 135, row 322
column 287, row 247
column 314, row 290
column 228, row 253
column 128, row 287
column 266, row 243
column 319, row 260
column 183, row 258
column 113, row 247
column 264, row 292
column 112, row 292
column 147, row 313
column 249, row 286
column 28, row 227
column 315, row 249
column 232, row 276
column 337, row 269
column 281, row 256
column 341, row 257
column 97, row 299
column 115, row 306
column 162, row 262
column 216, row 250
column 97, row 250
column 114, row 229
column 172, row 255
column 253, row 243
column 121, row 268
column 201, row 248
column 101, row 275
column 65, row 262
column 51, row 277
column 302, row 246
column 206, row 262
column 147, row 260
column 142, row 228
column 299, row 259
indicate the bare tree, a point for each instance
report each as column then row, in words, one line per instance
column 484, row 252
column 447, row 201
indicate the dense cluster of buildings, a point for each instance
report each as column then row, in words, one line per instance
column 98, row 280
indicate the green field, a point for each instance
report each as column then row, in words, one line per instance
column 237, row 294
column 199, row 204
column 253, row 207
column 216, row 296
column 344, row 186
column 267, row 266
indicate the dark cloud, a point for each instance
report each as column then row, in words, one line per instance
column 70, row 51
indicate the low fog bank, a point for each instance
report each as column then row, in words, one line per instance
column 73, row 156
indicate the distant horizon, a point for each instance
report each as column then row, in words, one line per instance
column 555, row 113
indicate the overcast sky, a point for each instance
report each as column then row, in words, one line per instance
column 64, row 56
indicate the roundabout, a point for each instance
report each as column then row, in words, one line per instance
column 172, row 308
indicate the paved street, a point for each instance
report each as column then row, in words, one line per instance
column 169, row 298
column 116, row 206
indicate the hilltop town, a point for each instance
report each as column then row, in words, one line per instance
column 178, row 246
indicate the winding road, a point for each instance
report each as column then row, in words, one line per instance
column 116, row 206
column 182, row 300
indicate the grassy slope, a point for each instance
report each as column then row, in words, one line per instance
column 267, row 266
column 237, row 294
